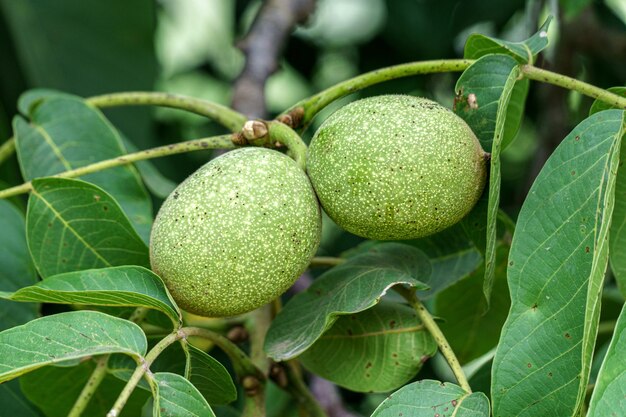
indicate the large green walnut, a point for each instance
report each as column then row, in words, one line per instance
column 396, row 167
column 237, row 233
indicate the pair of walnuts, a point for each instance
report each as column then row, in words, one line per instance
column 239, row 231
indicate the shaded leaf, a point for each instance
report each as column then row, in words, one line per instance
column 556, row 270
column 377, row 350
column 354, row 286
column 66, row 336
column 66, row 133
column 609, row 394
column 16, row 267
column 176, row 397
column 14, row 403
column 428, row 398
column 83, row 224
column 470, row 329
column 110, row 47
column 116, row 286
column 63, row 385
column 209, row 376
column 478, row 45
column 452, row 256
column 492, row 84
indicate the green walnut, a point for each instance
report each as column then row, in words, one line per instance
column 396, row 167
column 237, row 233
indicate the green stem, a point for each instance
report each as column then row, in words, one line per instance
column 435, row 331
column 549, row 77
column 7, row 149
column 225, row 116
column 316, row 103
column 301, row 392
column 215, row 142
column 241, row 363
column 322, row 261
column 607, row 327
column 285, row 135
column 90, row 387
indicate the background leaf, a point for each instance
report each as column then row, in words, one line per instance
column 116, row 286
column 452, row 256
column 64, row 384
column 556, row 269
column 428, row 398
column 85, row 226
column 66, row 133
column 354, row 286
column 177, row 397
column 65, row 336
column 478, row 45
column 16, row 267
column 110, row 47
column 609, row 394
column 209, row 376
column 470, row 328
column 14, row 403
column 377, row 350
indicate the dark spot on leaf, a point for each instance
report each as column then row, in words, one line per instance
column 586, row 249
column 568, row 336
column 577, row 138
column 550, row 374
column 454, row 403
column 529, row 365
column 392, row 324
column 573, row 172
column 49, row 224
column 105, row 208
column 368, row 365
column 349, row 332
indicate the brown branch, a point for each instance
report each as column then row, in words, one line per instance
column 262, row 47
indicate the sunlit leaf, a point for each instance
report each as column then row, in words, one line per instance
column 83, row 224
column 556, row 269
column 428, row 398
column 65, row 336
column 177, row 397
column 66, row 133
column 115, row 286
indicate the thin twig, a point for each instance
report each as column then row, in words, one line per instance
column 215, row 142
column 98, row 374
column 7, row 149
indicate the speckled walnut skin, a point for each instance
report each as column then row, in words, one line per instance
column 396, row 167
column 237, row 233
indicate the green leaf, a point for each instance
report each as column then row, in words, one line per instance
column 174, row 396
column 209, row 376
column 470, row 329
column 117, row 286
column 16, row 267
column 376, row 350
column 601, row 105
column 61, row 337
column 14, row 403
column 63, row 385
column 73, row 225
column 617, row 233
column 65, row 133
column 30, row 99
column 556, row 269
column 452, row 256
column 478, row 45
column 492, row 83
column 609, row 393
column 354, row 286
column 110, row 47
column 428, row 398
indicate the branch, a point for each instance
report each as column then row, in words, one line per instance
column 262, row 47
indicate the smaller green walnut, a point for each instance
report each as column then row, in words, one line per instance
column 237, row 233
column 396, row 167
